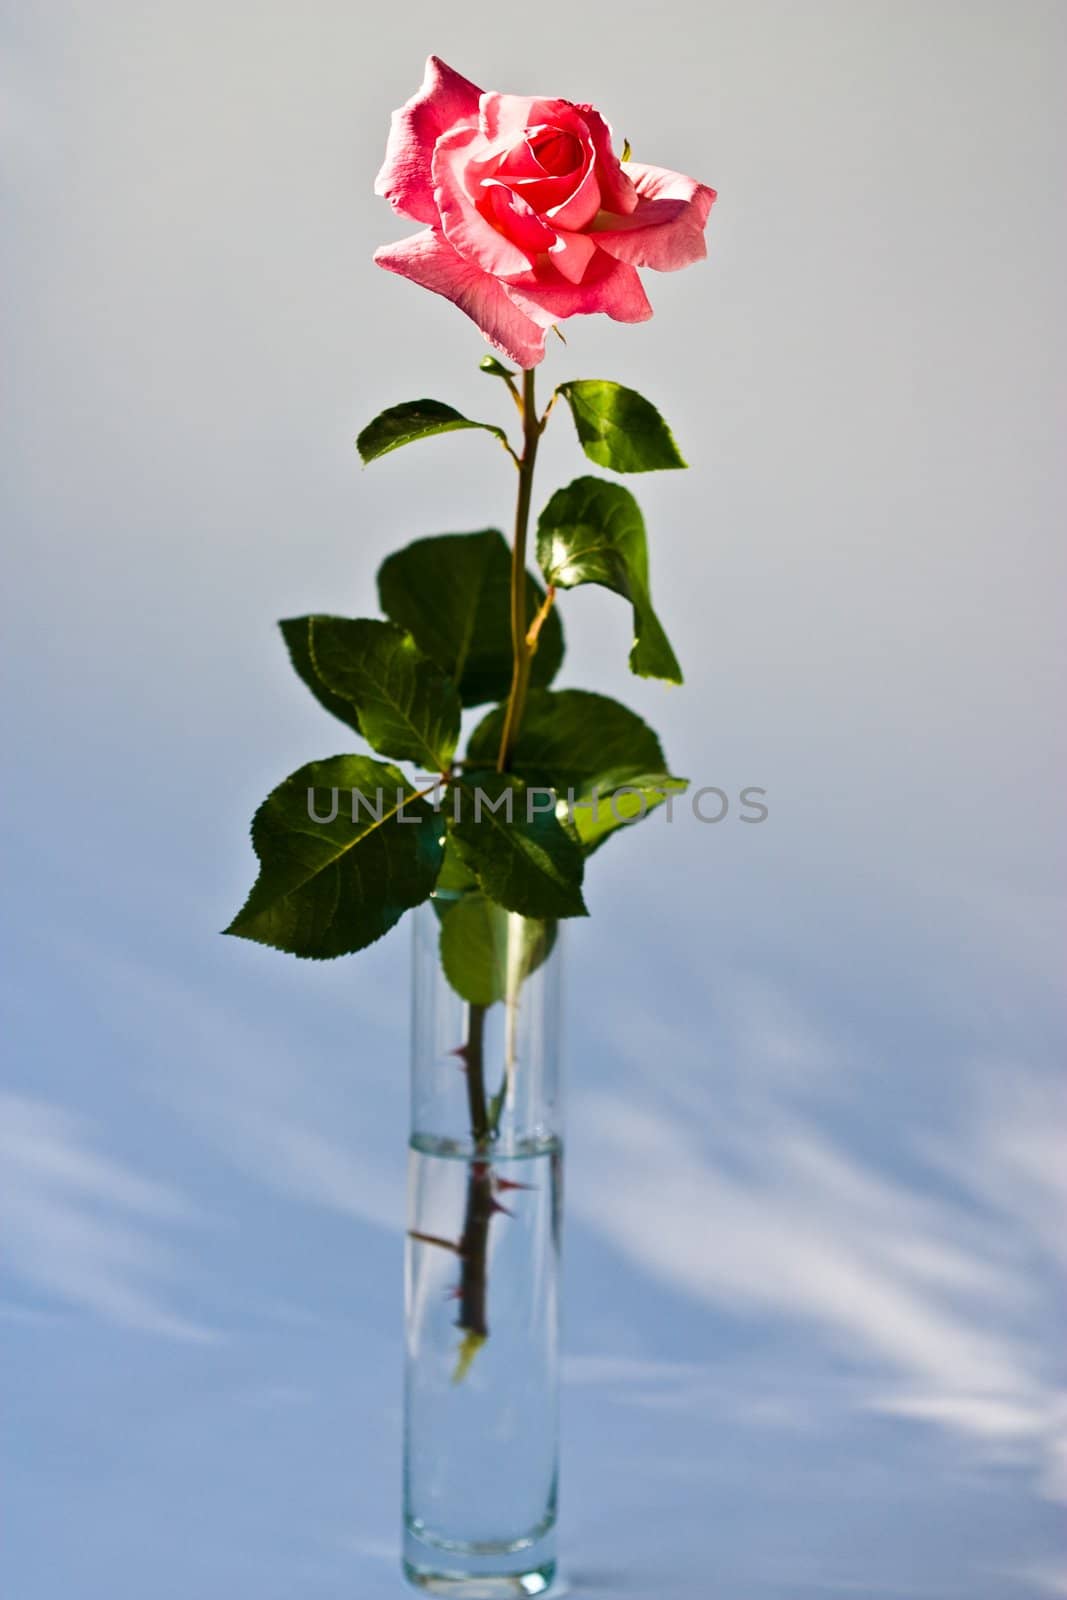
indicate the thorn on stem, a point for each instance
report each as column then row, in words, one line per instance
column 433, row 1238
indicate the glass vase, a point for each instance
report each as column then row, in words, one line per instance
column 482, row 1256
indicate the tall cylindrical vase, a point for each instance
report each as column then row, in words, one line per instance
column 482, row 1267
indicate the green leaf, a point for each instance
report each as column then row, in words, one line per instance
column 296, row 631
column 474, row 949
column 415, row 419
column 525, row 860
column 455, row 878
column 487, row 953
column 619, row 428
column 328, row 888
column 593, row 532
column 596, row 816
column 495, row 368
column 570, row 737
column 407, row 708
column 452, row 593
column 536, row 939
column 590, row 749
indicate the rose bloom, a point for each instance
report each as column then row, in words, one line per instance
column 530, row 216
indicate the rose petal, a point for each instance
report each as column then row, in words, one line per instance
column 518, row 220
column 547, row 195
column 579, row 208
column 618, row 194
column 444, row 99
column 465, row 228
column 518, row 163
column 550, row 192
column 666, row 230
column 429, row 260
column 607, row 285
column 557, row 151
column 507, row 116
column 507, row 119
column 571, row 254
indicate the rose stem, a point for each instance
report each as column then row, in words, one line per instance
column 481, row 1203
column 522, row 648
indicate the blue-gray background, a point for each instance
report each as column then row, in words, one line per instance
column 816, row 1188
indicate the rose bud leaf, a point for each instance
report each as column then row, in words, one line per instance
column 619, row 428
column 414, row 420
column 593, row 532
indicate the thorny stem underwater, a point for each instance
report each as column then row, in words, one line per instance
column 472, row 1292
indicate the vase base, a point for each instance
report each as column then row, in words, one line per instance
column 473, row 1574
column 469, row 1586
column 472, row 1586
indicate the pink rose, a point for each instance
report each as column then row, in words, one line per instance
column 530, row 215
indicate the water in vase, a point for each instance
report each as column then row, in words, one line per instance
column 481, row 1370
